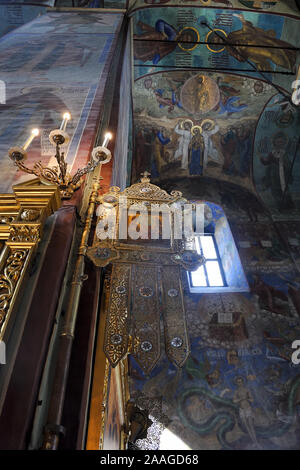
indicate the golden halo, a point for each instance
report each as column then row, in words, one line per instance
column 183, row 122
column 207, row 38
column 208, row 121
column 194, row 45
column 196, row 127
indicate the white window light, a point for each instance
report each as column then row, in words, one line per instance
column 211, row 273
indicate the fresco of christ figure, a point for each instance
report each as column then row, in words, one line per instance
column 209, row 129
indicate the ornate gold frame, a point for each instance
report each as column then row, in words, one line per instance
column 22, row 217
column 133, row 314
column 100, row 381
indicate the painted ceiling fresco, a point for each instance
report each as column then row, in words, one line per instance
column 275, row 6
column 190, row 124
column 278, row 35
column 204, row 108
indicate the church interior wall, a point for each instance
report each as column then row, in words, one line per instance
column 255, row 345
column 43, row 80
column 239, row 388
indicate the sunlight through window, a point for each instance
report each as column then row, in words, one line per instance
column 198, row 277
column 208, row 246
column 210, row 274
column 169, row 441
column 214, row 273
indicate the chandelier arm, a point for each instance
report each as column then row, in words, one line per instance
column 60, row 158
column 58, row 174
column 39, row 171
column 22, row 167
column 48, row 174
column 82, row 171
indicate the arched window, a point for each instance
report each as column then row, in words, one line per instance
column 223, row 271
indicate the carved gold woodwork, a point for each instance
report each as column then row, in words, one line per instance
column 22, row 216
column 101, row 388
column 103, row 404
column 145, row 297
column 116, row 338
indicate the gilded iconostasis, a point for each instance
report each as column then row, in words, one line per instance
column 216, row 121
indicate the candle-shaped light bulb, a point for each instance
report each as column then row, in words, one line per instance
column 107, row 138
column 66, row 118
column 33, row 134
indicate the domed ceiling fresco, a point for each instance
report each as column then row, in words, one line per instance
column 203, row 107
column 221, row 128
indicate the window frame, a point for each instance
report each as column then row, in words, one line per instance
column 219, row 261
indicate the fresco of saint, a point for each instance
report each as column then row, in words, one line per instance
column 209, row 128
column 278, row 165
column 159, row 153
column 196, row 151
column 184, row 131
column 243, row 398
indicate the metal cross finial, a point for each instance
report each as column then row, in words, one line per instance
column 145, row 177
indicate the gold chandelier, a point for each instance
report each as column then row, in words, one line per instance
column 59, row 174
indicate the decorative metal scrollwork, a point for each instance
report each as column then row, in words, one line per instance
column 145, row 314
column 24, row 233
column 116, row 331
column 9, row 279
column 176, row 337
